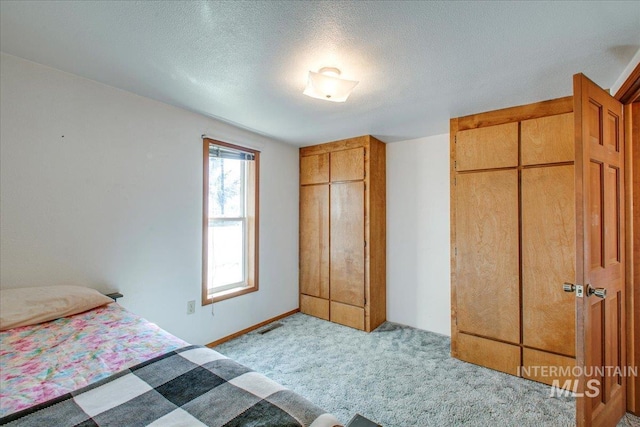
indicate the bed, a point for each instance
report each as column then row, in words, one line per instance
column 108, row 366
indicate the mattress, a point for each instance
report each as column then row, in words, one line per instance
column 41, row 362
column 108, row 366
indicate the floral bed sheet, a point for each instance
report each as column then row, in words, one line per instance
column 41, row 362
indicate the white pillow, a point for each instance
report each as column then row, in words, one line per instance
column 29, row 306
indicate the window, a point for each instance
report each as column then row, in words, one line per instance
column 230, row 221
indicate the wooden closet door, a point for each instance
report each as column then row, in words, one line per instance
column 548, row 258
column 314, row 240
column 347, row 165
column 547, row 139
column 487, row 267
column 347, row 243
column 314, row 169
column 487, row 147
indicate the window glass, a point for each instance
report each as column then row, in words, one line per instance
column 230, row 231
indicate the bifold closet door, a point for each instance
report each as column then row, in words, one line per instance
column 314, row 250
column 487, row 267
column 347, row 243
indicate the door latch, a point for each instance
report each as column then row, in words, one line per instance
column 570, row 287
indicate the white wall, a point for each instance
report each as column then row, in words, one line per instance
column 418, row 269
column 103, row 188
column 625, row 73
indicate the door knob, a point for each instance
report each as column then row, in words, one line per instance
column 599, row 292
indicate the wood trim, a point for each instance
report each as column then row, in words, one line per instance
column 377, row 240
column 341, row 314
column 251, row 328
column 453, row 130
column 205, row 222
column 253, row 225
column 581, row 231
column 516, row 114
column 231, row 293
column 632, row 202
column 254, row 270
column 630, row 90
column 343, row 144
column 629, row 94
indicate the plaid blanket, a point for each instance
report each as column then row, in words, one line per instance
column 191, row 386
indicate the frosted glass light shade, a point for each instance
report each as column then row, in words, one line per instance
column 326, row 85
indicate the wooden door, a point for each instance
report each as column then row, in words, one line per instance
column 548, row 258
column 314, row 169
column 314, row 240
column 600, row 245
column 347, row 165
column 347, row 243
column 488, row 147
column 487, row 270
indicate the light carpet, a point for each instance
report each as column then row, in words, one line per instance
column 397, row 376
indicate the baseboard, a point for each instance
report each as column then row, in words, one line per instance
column 251, row 328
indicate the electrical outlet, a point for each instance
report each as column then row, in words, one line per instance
column 191, row 307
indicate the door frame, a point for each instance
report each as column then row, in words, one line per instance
column 628, row 94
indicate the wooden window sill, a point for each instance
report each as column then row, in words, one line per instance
column 229, row 293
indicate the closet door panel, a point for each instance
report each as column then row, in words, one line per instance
column 547, row 140
column 347, row 315
column 532, row 360
column 313, row 306
column 487, row 148
column 347, row 165
column 314, row 169
column 347, row 243
column 548, row 258
column 314, row 240
column 487, row 267
column 492, row 354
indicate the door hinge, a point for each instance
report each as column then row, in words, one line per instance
column 455, row 139
column 455, row 251
column 455, row 182
column 455, row 165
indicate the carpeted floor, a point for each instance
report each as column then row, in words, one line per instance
column 397, row 376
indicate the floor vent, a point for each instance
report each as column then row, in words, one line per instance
column 269, row 328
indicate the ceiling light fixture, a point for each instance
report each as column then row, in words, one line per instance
column 326, row 84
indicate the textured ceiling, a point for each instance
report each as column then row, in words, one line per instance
column 246, row 63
